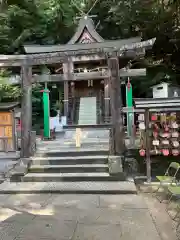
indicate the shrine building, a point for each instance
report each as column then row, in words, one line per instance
column 86, row 77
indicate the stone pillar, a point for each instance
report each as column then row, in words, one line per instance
column 68, row 68
column 106, row 100
column 73, row 101
column 73, row 89
column 66, row 98
column 26, row 110
column 116, row 107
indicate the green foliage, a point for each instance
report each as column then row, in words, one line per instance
column 148, row 19
column 9, row 93
column 53, row 22
column 44, row 22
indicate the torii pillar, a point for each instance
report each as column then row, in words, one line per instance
column 117, row 138
column 26, row 110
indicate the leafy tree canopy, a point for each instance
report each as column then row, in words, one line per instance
column 54, row 21
column 38, row 21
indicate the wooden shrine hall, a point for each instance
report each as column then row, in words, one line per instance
column 89, row 67
column 86, row 77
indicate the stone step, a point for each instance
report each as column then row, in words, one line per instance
column 87, row 117
column 68, row 145
column 122, row 187
column 90, row 104
column 78, row 168
column 94, row 144
column 60, row 143
column 71, row 143
column 87, row 122
column 71, row 152
column 84, row 109
column 87, row 114
column 72, row 177
column 91, row 107
column 88, row 138
column 83, row 99
column 70, row 160
column 87, row 111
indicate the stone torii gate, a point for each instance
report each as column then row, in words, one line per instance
column 27, row 61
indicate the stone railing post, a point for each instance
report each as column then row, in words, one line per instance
column 32, row 149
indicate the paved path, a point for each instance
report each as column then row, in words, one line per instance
column 82, row 217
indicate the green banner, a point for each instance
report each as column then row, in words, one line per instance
column 46, row 113
column 129, row 105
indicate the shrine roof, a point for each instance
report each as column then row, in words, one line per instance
column 86, row 31
column 85, row 38
column 116, row 44
column 8, row 105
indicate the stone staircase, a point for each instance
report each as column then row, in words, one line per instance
column 61, row 168
column 70, row 166
column 60, row 160
column 87, row 111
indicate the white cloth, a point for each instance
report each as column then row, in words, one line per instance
column 58, row 124
column 52, row 123
column 63, row 120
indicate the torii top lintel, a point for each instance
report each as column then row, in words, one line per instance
column 86, row 41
